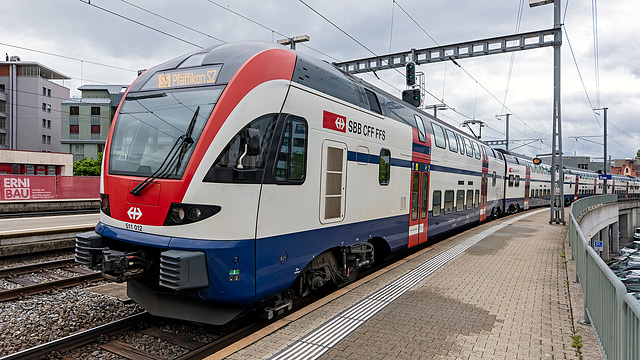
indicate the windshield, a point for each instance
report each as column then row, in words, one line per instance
column 149, row 124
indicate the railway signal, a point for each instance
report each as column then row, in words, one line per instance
column 412, row 96
column 411, row 73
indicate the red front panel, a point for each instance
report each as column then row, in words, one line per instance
column 153, row 205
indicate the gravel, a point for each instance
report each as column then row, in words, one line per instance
column 46, row 317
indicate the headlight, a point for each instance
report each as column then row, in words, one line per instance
column 180, row 214
column 105, row 207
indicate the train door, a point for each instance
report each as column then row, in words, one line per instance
column 419, row 206
column 484, row 184
column 576, row 192
column 483, row 197
column 527, row 187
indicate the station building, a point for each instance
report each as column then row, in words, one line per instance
column 14, row 162
column 86, row 120
column 30, row 104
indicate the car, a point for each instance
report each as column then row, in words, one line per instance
column 631, row 248
column 620, row 266
column 636, row 234
column 630, row 277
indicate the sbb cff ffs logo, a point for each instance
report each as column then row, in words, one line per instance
column 334, row 121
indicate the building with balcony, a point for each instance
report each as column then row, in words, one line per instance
column 30, row 104
column 86, row 120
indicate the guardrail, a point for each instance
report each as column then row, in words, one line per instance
column 614, row 314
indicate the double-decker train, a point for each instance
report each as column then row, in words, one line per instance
column 246, row 175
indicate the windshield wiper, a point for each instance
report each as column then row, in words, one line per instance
column 182, row 144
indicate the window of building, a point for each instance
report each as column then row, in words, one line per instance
column 95, row 110
column 44, row 107
column 3, row 122
column 48, row 92
column 74, row 110
column 384, row 171
column 448, row 201
column 3, row 106
column 3, row 139
column 48, row 139
column 48, row 124
column 41, row 170
column 74, row 129
column 30, row 170
column 44, row 91
column 48, row 108
column 460, row 200
column 44, row 139
column 44, row 123
column 437, row 203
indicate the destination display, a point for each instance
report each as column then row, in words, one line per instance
column 183, row 78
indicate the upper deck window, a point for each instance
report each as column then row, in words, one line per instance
column 148, row 128
column 421, row 132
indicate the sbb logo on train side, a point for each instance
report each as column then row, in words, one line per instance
column 339, row 123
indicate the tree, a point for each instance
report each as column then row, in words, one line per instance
column 638, row 154
column 88, row 166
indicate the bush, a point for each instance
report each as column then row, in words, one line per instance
column 88, row 166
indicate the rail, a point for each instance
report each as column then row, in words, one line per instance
column 614, row 314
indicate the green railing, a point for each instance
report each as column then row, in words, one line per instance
column 614, row 314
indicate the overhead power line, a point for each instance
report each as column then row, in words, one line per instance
column 88, row 2
column 66, row 57
column 172, row 21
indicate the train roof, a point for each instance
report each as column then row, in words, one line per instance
column 309, row 71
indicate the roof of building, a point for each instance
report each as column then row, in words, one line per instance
column 44, row 71
column 92, row 101
column 112, row 89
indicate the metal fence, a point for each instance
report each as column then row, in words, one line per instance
column 614, row 314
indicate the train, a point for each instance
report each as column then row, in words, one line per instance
column 245, row 176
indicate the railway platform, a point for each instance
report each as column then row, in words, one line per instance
column 502, row 290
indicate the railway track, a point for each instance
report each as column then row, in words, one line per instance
column 105, row 337
column 55, row 281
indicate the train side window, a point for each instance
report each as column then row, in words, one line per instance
column 437, row 203
column 476, row 150
column 438, row 133
column 517, row 181
column 477, row 202
column 374, row 104
column 494, row 178
column 415, row 190
column 448, row 201
column 384, row 172
column 461, row 143
column 291, row 161
column 467, row 145
column 421, row 131
column 453, row 142
column 511, row 179
column 469, row 199
column 226, row 168
column 460, row 200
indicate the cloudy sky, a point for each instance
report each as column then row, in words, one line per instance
column 106, row 41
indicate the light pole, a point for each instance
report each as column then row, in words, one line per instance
column 606, row 170
column 293, row 40
column 506, row 129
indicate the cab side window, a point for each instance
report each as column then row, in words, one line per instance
column 292, row 155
